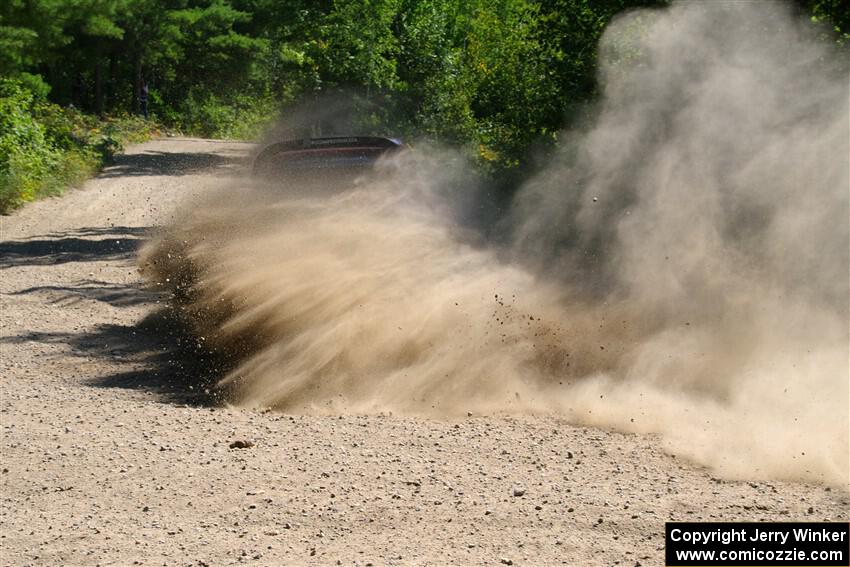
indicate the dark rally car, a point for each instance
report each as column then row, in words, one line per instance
column 341, row 156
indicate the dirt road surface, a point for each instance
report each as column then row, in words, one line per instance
column 108, row 457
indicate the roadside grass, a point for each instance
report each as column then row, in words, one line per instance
column 46, row 148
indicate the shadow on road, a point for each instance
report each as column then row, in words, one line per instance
column 67, row 295
column 160, row 353
column 174, row 364
column 153, row 163
column 80, row 245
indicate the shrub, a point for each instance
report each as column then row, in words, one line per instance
column 45, row 148
column 209, row 116
column 27, row 156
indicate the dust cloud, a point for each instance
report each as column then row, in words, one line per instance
column 681, row 267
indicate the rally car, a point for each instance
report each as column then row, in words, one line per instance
column 340, row 156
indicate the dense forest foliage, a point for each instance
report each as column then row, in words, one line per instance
column 496, row 76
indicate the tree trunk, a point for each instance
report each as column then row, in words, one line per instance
column 110, row 79
column 98, row 87
column 137, row 80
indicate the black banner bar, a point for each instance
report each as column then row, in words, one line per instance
column 757, row 544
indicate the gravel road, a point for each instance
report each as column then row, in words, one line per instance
column 109, row 456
